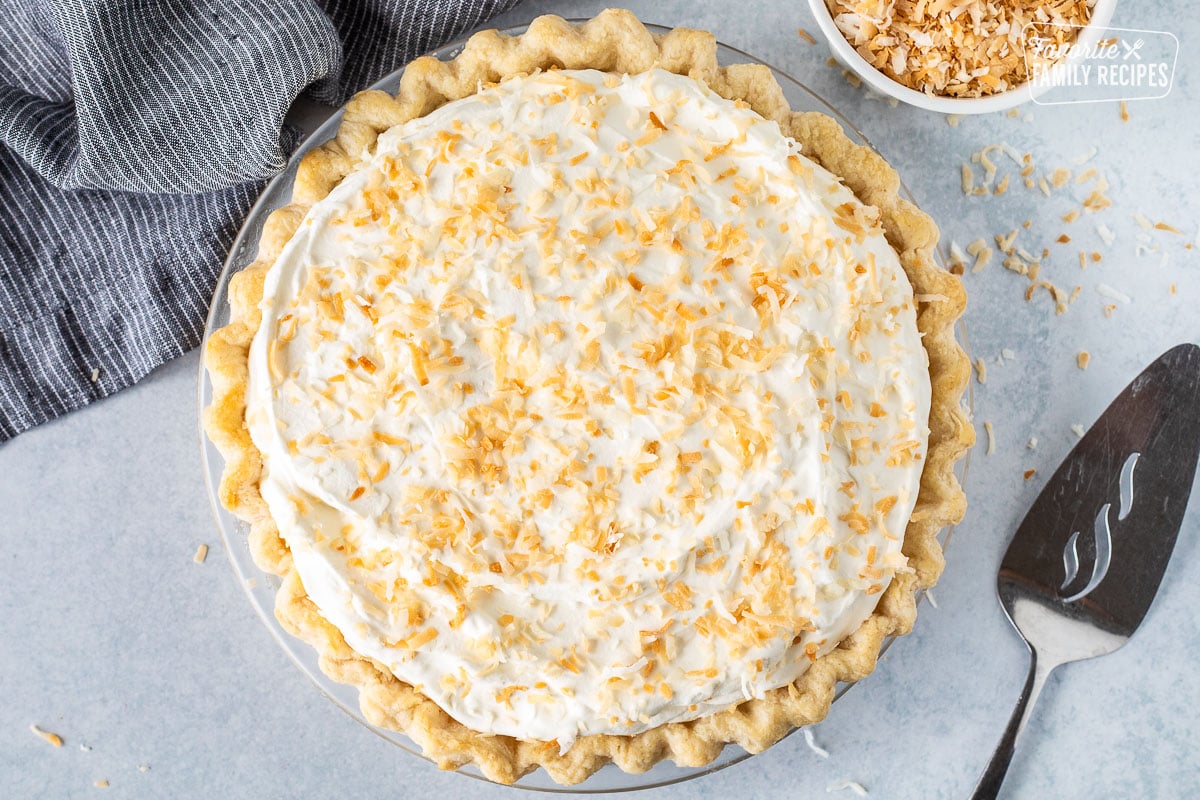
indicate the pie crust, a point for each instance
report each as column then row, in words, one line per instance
column 614, row 41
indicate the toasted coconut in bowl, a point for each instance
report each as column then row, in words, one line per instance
column 953, row 56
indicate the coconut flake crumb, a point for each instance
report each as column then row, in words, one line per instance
column 953, row 119
column 812, row 744
column 95, row 376
column 1106, row 234
column 201, row 554
column 1085, row 157
column 1112, row 294
column 52, row 738
column 1009, row 355
column 929, row 596
column 101, row 784
column 957, row 255
column 853, row 786
column 1078, row 430
column 991, row 438
column 980, row 371
column 1032, row 443
column 1083, row 359
column 143, row 767
column 806, row 36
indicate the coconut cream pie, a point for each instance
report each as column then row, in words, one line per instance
column 592, row 404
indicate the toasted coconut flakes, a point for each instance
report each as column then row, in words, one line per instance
column 1106, row 234
column 1083, row 359
column 201, row 554
column 1060, row 298
column 853, row 786
column 1078, row 430
column 1005, row 243
column 95, row 376
column 1113, row 294
column 1029, row 473
column 982, row 260
column 953, row 119
column 991, row 438
column 52, row 738
column 806, row 36
column 1124, row 112
column 957, row 49
column 968, row 178
column 1071, row 215
column 1143, row 221
column 101, row 784
column 812, row 744
column 1032, row 443
column 980, row 371
column 1162, row 226
column 1044, row 186
column 929, row 596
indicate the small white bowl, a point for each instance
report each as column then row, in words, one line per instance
column 845, row 53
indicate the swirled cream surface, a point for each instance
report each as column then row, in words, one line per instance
column 590, row 404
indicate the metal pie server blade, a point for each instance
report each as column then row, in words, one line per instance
column 1086, row 562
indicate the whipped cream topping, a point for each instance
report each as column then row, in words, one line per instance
column 589, row 404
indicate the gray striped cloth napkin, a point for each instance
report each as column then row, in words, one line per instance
column 134, row 137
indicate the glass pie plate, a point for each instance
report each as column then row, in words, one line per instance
column 261, row 587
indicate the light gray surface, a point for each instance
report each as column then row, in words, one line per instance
column 111, row 636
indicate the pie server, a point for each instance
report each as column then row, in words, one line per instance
column 1083, row 568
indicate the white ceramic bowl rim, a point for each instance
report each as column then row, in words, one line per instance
column 1102, row 13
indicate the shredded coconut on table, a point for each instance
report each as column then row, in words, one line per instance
column 812, row 744
column 1113, row 294
column 52, row 738
column 853, row 786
